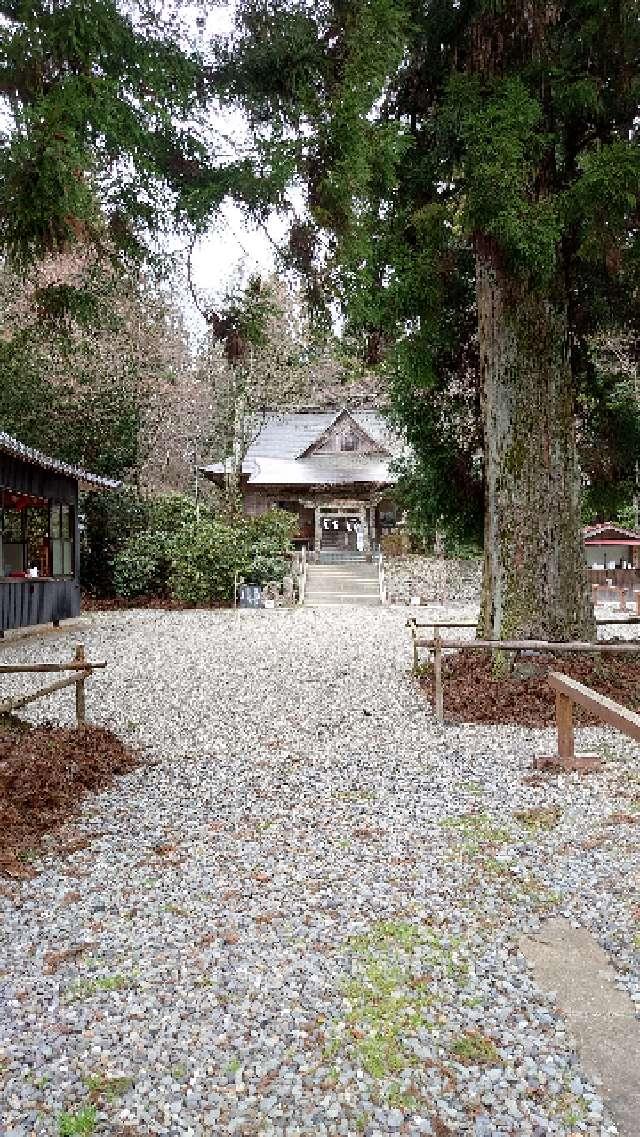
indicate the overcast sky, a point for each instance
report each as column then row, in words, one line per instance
column 234, row 248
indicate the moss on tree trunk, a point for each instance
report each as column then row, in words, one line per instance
column 535, row 576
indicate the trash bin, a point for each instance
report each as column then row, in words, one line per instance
column 250, row 596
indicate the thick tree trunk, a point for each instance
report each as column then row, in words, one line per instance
column 236, row 442
column 535, row 575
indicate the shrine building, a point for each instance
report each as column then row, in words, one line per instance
column 333, row 469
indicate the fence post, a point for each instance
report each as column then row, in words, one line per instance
column 437, row 672
column 80, row 702
column 564, row 724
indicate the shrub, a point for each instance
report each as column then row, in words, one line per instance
column 196, row 558
column 170, row 512
column 109, row 520
column 142, row 567
column 205, row 557
column 264, row 568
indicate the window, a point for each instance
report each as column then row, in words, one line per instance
column 37, row 533
column 13, row 541
column 348, row 441
column 62, row 530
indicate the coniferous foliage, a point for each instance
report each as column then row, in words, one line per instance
column 467, row 162
column 101, row 131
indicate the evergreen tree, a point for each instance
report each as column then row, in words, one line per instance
column 105, row 143
column 478, row 157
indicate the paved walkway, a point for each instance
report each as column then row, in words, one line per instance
column 304, row 918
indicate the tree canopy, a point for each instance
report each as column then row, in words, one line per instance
column 469, row 161
column 107, row 141
column 422, row 131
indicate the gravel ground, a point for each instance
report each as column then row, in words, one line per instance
column 302, row 916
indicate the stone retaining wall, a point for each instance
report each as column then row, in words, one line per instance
column 432, row 579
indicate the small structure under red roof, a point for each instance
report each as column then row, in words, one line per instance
column 39, row 545
column 611, row 546
column 613, row 555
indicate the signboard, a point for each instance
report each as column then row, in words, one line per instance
column 250, row 596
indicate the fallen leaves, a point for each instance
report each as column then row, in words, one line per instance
column 230, row 894
column 44, row 774
column 229, row 936
column 473, row 694
column 53, row 960
column 621, row 818
column 164, row 849
column 70, row 898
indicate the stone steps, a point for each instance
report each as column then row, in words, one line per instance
column 344, row 583
column 329, row 557
column 354, row 599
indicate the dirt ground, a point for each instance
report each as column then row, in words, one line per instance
column 44, row 774
column 473, row 694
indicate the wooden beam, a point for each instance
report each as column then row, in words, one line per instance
column 610, row 712
column 553, row 646
column 564, row 723
column 437, row 676
column 13, row 704
column 602, row 622
column 80, row 700
column 74, row 665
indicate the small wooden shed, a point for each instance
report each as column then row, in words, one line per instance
column 39, row 545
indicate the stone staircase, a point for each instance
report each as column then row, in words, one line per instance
column 346, row 581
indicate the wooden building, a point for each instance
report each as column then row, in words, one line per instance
column 333, row 469
column 39, row 546
column 613, row 555
column 610, row 546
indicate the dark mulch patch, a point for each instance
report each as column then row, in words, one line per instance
column 473, row 694
column 92, row 603
column 44, row 774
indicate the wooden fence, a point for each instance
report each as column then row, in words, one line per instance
column 437, row 625
column 552, row 647
column 568, row 691
column 81, row 668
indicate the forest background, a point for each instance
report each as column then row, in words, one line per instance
column 116, row 140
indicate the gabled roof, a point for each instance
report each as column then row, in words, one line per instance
column 284, row 451
column 345, row 418
column 10, row 445
column 289, row 434
column 609, row 531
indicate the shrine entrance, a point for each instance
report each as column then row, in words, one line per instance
column 342, row 529
column 339, row 532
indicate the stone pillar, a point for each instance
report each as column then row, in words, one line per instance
column 317, row 530
column 365, row 529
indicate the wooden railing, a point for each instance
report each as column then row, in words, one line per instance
column 569, row 692
column 382, row 580
column 437, row 625
column 79, row 665
column 546, row 647
column 302, row 575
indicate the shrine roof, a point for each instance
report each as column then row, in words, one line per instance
column 283, row 451
column 17, row 449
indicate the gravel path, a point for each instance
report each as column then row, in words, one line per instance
column 303, row 916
